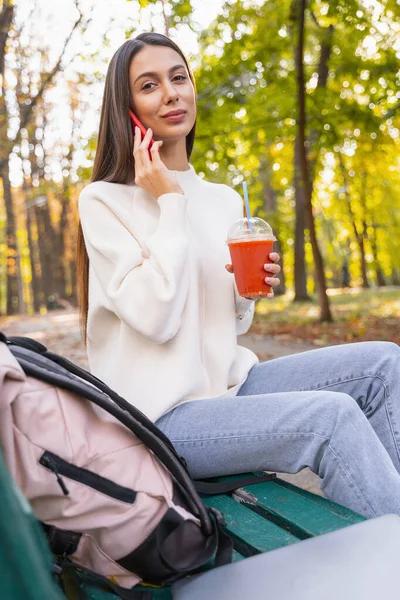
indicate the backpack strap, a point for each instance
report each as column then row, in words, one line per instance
column 35, row 346
column 40, row 363
column 61, row 541
column 212, row 488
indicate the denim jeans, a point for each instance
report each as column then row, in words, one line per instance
column 335, row 410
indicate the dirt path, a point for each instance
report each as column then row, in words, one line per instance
column 59, row 331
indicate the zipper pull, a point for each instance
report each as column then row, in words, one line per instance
column 48, row 462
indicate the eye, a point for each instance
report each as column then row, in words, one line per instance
column 183, row 77
column 146, row 85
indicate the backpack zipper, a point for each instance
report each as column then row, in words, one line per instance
column 49, row 463
column 61, row 467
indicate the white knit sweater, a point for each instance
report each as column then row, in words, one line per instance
column 164, row 314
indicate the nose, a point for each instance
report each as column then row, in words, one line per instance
column 170, row 93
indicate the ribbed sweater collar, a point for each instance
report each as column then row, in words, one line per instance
column 185, row 176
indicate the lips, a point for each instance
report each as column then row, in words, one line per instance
column 174, row 113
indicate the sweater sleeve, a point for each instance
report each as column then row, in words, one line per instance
column 146, row 286
column 244, row 313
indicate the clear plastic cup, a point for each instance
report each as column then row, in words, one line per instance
column 250, row 242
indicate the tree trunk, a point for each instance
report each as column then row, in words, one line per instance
column 270, row 210
column 300, row 274
column 60, row 274
column 364, row 235
column 325, row 312
column 395, row 277
column 13, row 299
column 323, row 72
column 37, row 291
column 361, row 246
column 47, row 249
column 380, row 280
column 6, row 18
column 359, row 236
column 36, row 277
column 363, row 262
column 73, row 295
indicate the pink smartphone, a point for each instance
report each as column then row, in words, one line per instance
column 135, row 121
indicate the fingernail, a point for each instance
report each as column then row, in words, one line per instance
column 268, row 280
column 267, row 267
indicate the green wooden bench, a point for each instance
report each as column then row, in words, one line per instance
column 260, row 518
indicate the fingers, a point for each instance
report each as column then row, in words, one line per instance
column 272, row 281
column 144, row 148
column 229, row 268
column 137, row 139
column 272, row 268
column 155, row 153
column 274, row 257
column 146, row 140
column 141, row 147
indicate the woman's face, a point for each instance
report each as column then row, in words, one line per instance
column 159, row 83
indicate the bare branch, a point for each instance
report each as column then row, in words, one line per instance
column 314, row 18
column 6, row 17
column 391, row 111
column 27, row 110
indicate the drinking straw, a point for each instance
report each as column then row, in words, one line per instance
column 247, row 205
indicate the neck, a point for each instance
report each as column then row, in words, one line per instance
column 173, row 155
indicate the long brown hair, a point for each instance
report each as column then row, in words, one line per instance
column 114, row 155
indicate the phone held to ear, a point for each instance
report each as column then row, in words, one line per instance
column 143, row 130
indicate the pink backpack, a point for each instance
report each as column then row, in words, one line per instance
column 108, row 486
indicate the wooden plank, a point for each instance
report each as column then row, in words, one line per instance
column 304, row 515
column 252, row 533
column 333, row 507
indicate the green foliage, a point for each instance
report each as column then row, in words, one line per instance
column 247, row 109
column 181, row 10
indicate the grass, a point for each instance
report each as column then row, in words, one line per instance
column 359, row 315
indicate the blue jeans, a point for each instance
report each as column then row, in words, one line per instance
column 335, row 410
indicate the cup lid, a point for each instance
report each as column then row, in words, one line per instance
column 253, row 229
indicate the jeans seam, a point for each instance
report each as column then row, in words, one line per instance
column 247, row 436
column 352, row 378
column 353, row 484
column 391, row 417
column 386, row 395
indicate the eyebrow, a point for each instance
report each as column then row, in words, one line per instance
column 153, row 74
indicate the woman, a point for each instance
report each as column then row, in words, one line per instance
column 161, row 312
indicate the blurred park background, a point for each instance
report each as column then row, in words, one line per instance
column 301, row 98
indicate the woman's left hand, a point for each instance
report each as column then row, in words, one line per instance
column 271, row 268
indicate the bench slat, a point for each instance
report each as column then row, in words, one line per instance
column 338, row 509
column 303, row 514
column 256, row 533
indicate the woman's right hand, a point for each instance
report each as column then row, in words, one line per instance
column 152, row 175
